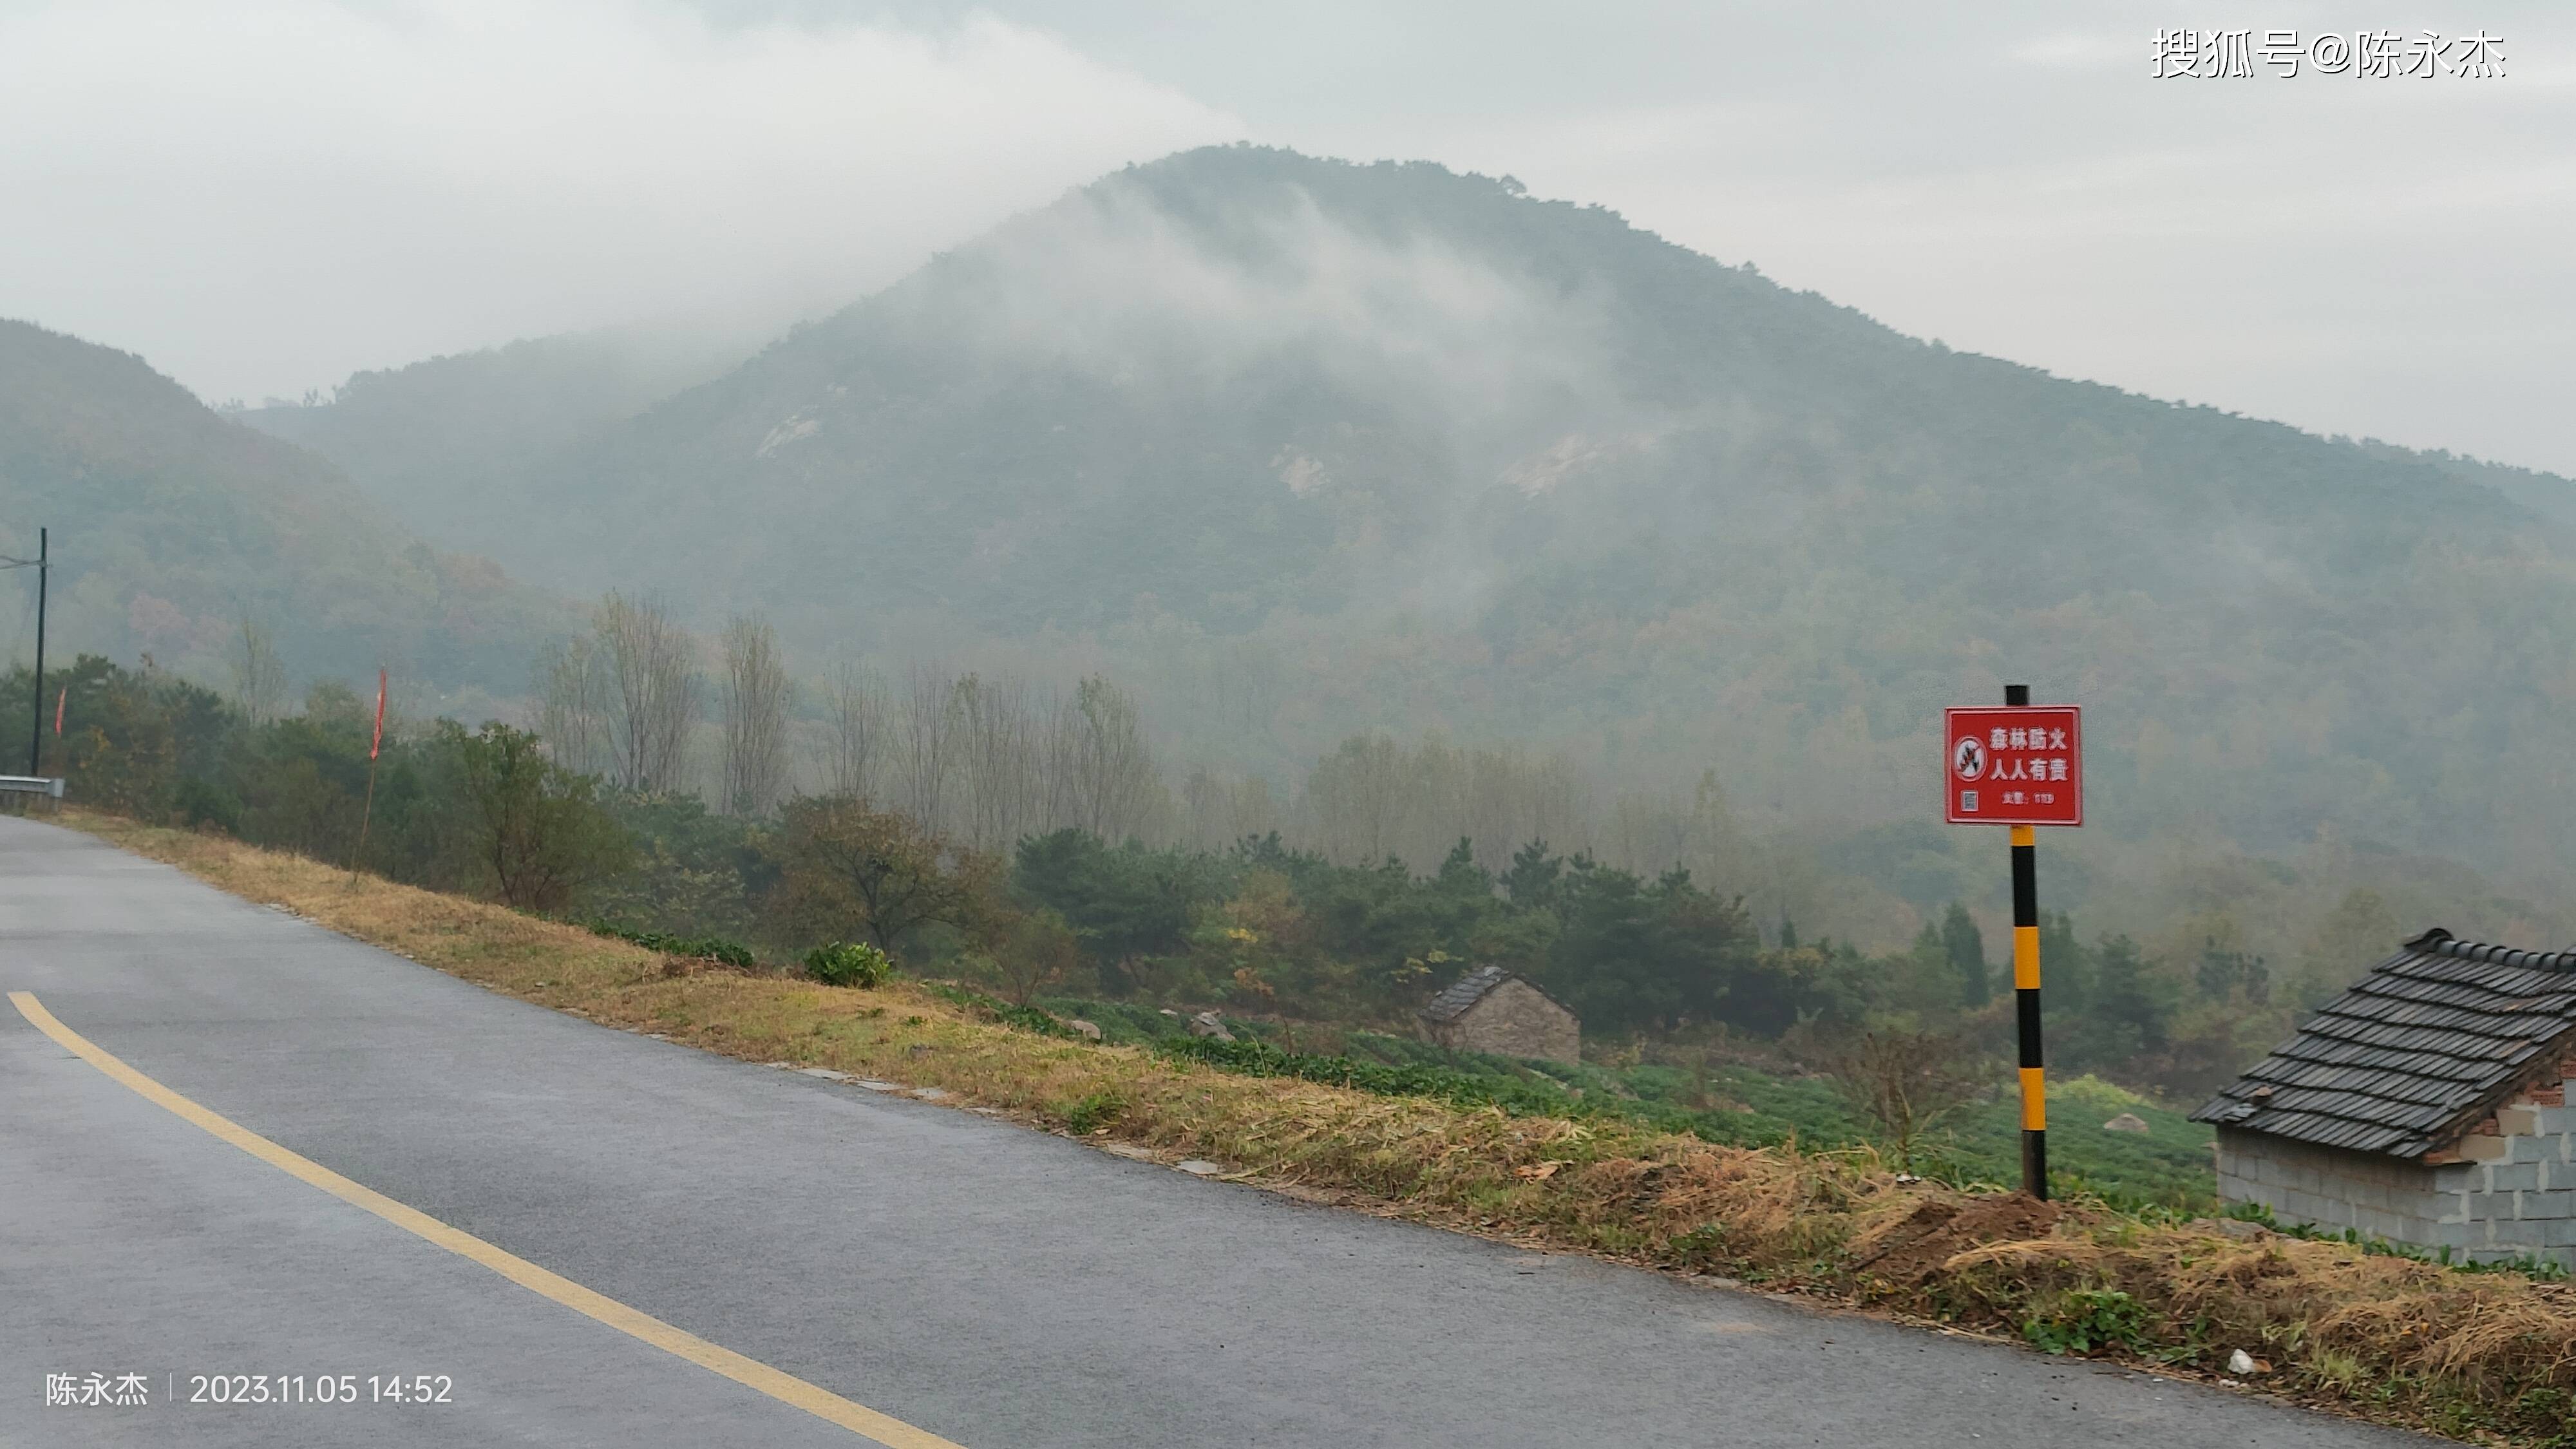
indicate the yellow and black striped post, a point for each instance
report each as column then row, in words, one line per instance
column 2034, row 1078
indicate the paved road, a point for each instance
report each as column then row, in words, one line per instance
column 989, row 1284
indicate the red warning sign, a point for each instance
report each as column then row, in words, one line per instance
column 2022, row 766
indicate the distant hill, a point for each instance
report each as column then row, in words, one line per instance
column 448, row 444
column 172, row 524
column 1305, row 446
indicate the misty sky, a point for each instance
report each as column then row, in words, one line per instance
column 264, row 196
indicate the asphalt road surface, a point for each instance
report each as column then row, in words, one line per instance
column 994, row 1286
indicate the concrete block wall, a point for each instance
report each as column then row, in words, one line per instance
column 2508, row 1189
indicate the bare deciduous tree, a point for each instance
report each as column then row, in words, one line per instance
column 572, row 712
column 259, row 675
column 1356, row 799
column 924, row 745
column 998, row 761
column 756, row 700
column 1114, row 789
column 1057, row 747
column 1906, row 1081
column 1372, row 798
column 985, row 759
column 859, row 747
column 1220, row 812
column 652, row 694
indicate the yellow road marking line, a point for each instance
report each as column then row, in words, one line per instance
column 750, row 1373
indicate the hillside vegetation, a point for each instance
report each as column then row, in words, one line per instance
column 2164, row 1162
column 1696, row 1017
column 449, row 444
column 172, row 526
column 1298, row 447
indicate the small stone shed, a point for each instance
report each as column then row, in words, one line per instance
column 2426, row 1105
column 1491, row 1010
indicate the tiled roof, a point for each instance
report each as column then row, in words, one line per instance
column 1466, row 991
column 2415, row 1054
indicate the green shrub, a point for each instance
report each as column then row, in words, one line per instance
column 537, row 831
column 848, row 963
column 204, row 802
column 1098, row 1110
column 707, row 948
column 2084, row 1320
column 993, row 1008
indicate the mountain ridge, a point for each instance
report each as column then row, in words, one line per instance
column 1334, row 446
column 172, row 525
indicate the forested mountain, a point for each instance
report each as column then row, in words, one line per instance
column 1296, row 447
column 172, row 526
column 1301, row 446
column 448, row 444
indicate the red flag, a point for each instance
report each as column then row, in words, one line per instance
column 378, row 743
column 58, row 710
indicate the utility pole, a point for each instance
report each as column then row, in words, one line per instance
column 36, row 710
column 36, row 727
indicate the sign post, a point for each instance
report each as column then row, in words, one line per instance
column 2020, row 766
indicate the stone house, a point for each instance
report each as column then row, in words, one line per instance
column 1491, row 1010
column 2427, row 1105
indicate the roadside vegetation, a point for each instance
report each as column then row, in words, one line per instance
column 1697, row 1019
column 1032, row 836
column 1974, row 1143
column 974, row 828
column 2334, row 1324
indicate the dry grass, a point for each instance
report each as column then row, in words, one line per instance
column 2478, row 1355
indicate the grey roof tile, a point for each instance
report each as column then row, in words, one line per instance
column 1466, row 991
column 2415, row 1053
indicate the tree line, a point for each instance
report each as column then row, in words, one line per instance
column 1258, row 925
column 1057, row 903
column 983, row 758
column 1000, row 828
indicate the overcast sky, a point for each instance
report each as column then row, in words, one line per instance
column 264, row 196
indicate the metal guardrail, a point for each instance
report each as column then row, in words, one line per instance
column 31, row 785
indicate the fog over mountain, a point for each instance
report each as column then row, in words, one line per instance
column 1302, row 446
column 450, row 444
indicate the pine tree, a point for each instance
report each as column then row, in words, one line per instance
column 1967, row 951
column 2135, row 1007
column 2066, row 969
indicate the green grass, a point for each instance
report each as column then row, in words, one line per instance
column 2167, row 1166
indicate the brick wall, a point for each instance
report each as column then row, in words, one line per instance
column 1515, row 1020
column 2507, row 1189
